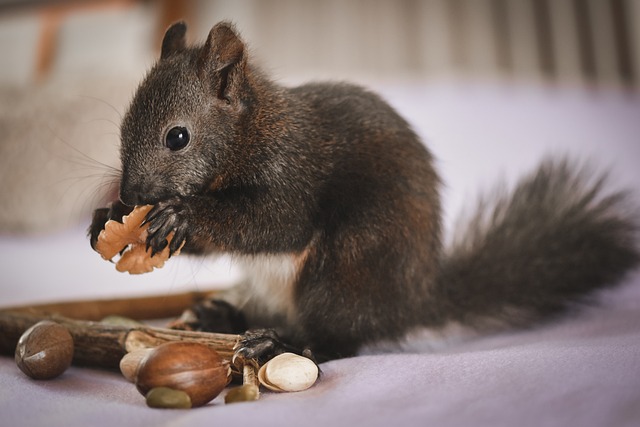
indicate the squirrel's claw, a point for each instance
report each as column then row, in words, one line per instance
column 164, row 218
column 115, row 211
column 100, row 218
column 263, row 345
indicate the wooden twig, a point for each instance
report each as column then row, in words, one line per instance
column 102, row 345
column 250, row 373
column 140, row 308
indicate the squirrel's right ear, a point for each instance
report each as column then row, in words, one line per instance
column 223, row 60
column 174, row 40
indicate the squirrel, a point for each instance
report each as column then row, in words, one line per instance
column 331, row 201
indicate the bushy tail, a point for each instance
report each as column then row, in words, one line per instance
column 528, row 254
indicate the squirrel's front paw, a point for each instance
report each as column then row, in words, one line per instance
column 262, row 344
column 115, row 211
column 212, row 315
column 166, row 217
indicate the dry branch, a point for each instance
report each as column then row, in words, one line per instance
column 141, row 308
column 103, row 345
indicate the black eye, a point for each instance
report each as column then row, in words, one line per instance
column 177, row 138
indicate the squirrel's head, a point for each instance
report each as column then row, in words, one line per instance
column 179, row 131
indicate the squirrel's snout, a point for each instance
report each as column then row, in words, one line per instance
column 132, row 193
column 131, row 198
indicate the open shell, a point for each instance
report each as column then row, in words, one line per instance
column 288, row 372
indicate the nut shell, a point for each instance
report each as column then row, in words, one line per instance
column 130, row 363
column 191, row 367
column 288, row 372
column 45, row 350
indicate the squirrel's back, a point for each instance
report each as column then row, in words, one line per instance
column 560, row 234
column 377, row 219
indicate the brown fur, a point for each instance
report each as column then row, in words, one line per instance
column 331, row 189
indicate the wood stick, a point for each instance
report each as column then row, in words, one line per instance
column 139, row 308
column 250, row 373
column 103, row 345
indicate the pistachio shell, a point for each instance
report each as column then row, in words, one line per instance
column 131, row 362
column 288, row 372
column 263, row 381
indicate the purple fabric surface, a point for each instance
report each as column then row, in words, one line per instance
column 581, row 370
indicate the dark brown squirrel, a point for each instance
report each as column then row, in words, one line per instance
column 331, row 201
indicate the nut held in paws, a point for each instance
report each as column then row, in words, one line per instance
column 129, row 239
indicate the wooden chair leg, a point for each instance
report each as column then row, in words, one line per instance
column 47, row 43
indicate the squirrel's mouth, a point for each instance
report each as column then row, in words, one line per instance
column 133, row 193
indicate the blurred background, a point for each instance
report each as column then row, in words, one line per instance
column 69, row 67
column 594, row 42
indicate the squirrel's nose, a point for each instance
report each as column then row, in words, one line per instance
column 130, row 197
column 133, row 193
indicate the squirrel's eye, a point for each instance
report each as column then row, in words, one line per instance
column 177, row 138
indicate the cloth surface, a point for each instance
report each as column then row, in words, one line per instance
column 582, row 369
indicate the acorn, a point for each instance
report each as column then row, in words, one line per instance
column 191, row 367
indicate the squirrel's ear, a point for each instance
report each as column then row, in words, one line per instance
column 223, row 59
column 174, row 40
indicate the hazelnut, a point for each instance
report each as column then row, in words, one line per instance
column 191, row 367
column 45, row 350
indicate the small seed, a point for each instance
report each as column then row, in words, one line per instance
column 245, row 393
column 45, row 350
column 115, row 320
column 168, row 398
